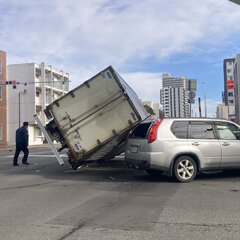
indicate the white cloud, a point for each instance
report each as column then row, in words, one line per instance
column 83, row 37
column 114, row 32
column 146, row 85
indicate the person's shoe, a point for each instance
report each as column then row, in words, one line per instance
column 15, row 164
column 26, row 163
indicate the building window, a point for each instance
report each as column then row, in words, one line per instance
column 230, row 94
column 1, row 132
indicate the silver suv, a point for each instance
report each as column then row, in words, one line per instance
column 182, row 147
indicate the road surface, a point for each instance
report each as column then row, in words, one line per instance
column 109, row 201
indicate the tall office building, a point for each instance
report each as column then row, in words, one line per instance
column 236, row 76
column 228, row 65
column 3, row 103
column 177, row 95
column 33, row 86
column 229, row 93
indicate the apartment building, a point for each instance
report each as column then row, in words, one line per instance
column 33, row 86
column 223, row 112
column 175, row 97
column 3, row 103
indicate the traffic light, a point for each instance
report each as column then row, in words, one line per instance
column 13, row 83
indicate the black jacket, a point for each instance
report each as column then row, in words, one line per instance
column 22, row 136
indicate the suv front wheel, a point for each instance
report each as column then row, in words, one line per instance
column 185, row 169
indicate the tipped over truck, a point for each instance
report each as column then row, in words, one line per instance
column 93, row 120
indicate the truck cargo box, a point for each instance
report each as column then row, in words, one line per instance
column 94, row 119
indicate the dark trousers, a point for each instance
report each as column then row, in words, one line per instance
column 20, row 148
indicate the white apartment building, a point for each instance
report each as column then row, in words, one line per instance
column 37, row 85
column 174, row 95
column 223, row 112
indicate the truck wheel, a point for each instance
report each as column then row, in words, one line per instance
column 185, row 169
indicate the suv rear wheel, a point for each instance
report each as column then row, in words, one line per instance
column 185, row 169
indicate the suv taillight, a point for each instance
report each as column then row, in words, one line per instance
column 153, row 132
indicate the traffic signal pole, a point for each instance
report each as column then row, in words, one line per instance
column 19, row 109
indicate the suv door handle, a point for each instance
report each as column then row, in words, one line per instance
column 195, row 143
column 225, row 143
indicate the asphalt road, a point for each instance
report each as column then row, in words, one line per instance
column 109, row 201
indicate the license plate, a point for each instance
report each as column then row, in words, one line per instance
column 134, row 149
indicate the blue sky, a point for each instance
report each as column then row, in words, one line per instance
column 141, row 39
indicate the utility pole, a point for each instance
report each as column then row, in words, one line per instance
column 199, row 107
column 205, row 99
column 19, row 109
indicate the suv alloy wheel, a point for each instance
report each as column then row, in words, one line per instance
column 185, row 169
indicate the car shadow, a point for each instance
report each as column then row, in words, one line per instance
column 115, row 170
column 231, row 175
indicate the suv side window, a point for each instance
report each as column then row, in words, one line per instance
column 180, row 129
column 201, row 130
column 228, row 131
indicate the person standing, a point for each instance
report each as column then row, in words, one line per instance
column 21, row 144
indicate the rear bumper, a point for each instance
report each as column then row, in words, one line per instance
column 138, row 164
column 148, row 160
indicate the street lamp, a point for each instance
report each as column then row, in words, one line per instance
column 19, row 106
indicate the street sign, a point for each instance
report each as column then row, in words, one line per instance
column 230, row 84
column 191, row 94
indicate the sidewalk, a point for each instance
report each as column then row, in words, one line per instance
column 12, row 147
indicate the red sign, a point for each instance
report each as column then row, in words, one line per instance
column 230, row 84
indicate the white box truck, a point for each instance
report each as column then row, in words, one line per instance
column 94, row 119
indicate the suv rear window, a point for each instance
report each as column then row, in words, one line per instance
column 180, row 129
column 141, row 130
